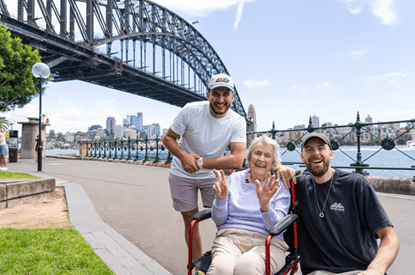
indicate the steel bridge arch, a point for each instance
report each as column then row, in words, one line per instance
column 129, row 20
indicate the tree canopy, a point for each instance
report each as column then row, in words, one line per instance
column 17, row 84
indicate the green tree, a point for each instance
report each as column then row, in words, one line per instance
column 17, row 84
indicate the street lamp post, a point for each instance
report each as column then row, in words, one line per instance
column 40, row 71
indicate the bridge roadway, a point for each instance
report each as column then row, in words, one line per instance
column 135, row 201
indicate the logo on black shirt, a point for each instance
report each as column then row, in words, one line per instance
column 337, row 207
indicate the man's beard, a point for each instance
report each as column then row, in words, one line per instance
column 217, row 113
column 317, row 173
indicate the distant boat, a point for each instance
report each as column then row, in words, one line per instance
column 410, row 144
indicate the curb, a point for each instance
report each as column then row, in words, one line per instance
column 116, row 251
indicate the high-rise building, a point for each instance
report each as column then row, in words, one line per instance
column 118, row 131
column 125, row 122
column 252, row 118
column 315, row 121
column 139, row 121
column 368, row 119
column 110, row 125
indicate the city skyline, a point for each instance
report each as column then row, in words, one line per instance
column 331, row 59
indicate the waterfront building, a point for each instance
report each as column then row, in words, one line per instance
column 315, row 121
column 126, row 122
column 130, row 133
column 139, row 121
column 100, row 133
column 118, row 131
column 110, row 125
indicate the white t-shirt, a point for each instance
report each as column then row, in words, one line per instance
column 204, row 135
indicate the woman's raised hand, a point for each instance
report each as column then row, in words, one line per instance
column 267, row 190
column 220, row 188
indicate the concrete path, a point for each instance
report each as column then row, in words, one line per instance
column 134, row 221
column 115, row 250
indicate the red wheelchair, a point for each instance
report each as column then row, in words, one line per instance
column 287, row 226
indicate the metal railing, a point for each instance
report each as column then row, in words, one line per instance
column 351, row 134
column 129, row 149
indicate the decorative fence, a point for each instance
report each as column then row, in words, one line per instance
column 341, row 137
column 131, row 149
column 350, row 135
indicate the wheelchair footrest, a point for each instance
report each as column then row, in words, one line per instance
column 203, row 262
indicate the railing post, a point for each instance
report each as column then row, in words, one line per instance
column 99, row 149
column 105, row 149
column 273, row 131
column 169, row 158
column 122, row 149
column 157, row 150
column 146, row 156
column 87, row 156
column 115, row 149
column 358, row 127
column 129, row 149
column 136, row 156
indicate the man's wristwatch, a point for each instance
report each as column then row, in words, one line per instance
column 200, row 163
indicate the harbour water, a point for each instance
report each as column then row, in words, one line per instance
column 401, row 157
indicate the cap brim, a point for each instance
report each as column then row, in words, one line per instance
column 221, row 85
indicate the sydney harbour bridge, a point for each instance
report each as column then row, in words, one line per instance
column 134, row 46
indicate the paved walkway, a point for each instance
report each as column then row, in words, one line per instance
column 125, row 213
column 115, row 250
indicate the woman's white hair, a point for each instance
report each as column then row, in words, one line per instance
column 264, row 139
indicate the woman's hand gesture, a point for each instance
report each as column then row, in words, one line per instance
column 267, row 190
column 220, row 188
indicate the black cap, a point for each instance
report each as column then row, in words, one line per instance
column 315, row 135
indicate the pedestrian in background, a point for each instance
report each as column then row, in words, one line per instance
column 4, row 151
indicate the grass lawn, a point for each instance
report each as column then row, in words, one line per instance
column 12, row 175
column 48, row 251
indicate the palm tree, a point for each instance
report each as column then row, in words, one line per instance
column 4, row 124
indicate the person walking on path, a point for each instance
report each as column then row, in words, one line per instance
column 341, row 218
column 197, row 138
column 4, row 151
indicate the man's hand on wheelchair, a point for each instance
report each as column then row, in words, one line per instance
column 286, row 173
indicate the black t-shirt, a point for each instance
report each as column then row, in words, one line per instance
column 345, row 239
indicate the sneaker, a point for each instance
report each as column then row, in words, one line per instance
column 4, row 168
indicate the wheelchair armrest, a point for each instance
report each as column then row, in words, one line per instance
column 202, row 215
column 282, row 225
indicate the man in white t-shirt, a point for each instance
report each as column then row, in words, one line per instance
column 197, row 138
column 206, row 129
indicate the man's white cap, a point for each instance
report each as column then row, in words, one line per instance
column 221, row 80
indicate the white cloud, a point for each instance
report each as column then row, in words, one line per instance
column 255, row 83
column 393, row 78
column 199, row 7
column 306, row 89
column 353, row 6
column 383, row 9
column 358, row 53
column 238, row 16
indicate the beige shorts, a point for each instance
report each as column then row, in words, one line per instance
column 184, row 192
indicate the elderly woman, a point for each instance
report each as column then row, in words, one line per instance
column 246, row 206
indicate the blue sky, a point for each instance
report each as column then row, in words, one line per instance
column 291, row 59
